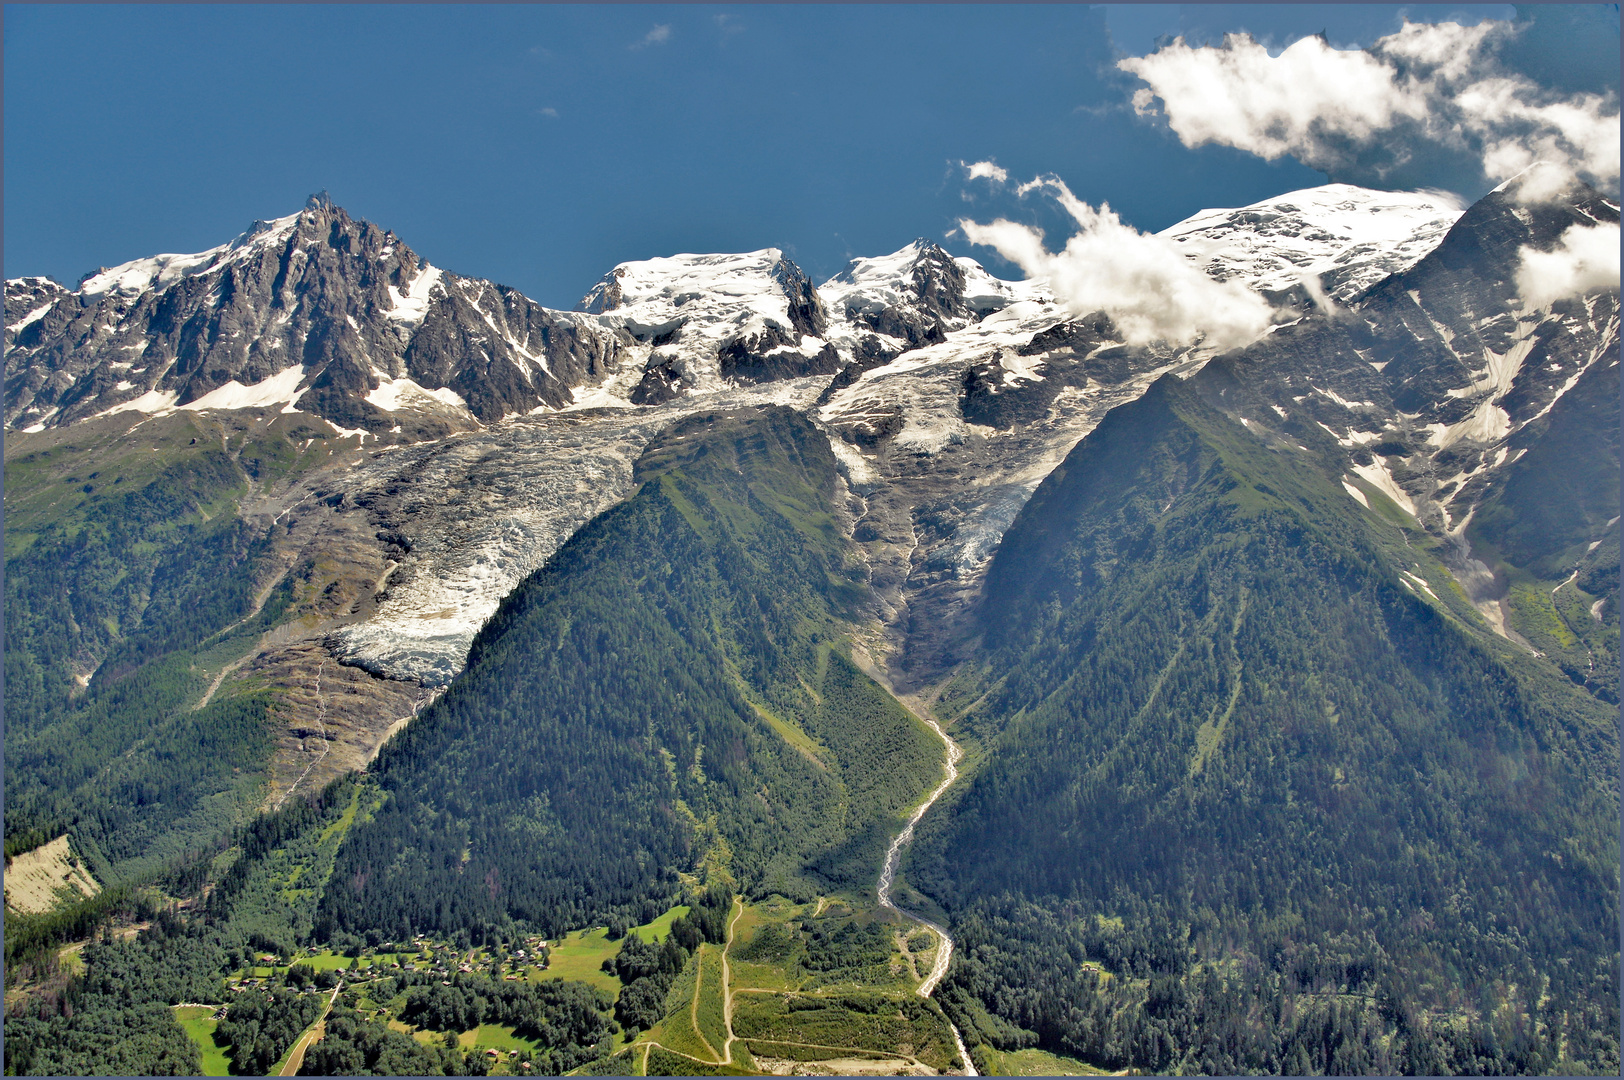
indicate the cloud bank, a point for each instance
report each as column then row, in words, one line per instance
column 1584, row 259
column 1425, row 89
column 1150, row 290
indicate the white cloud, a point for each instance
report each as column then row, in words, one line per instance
column 1150, row 290
column 657, row 36
column 1584, row 259
column 987, row 169
column 1426, row 84
column 1238, row 95
column 547, row 110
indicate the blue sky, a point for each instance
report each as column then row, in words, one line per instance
column 539, row 146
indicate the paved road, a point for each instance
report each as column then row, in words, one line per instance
column 296, row 1056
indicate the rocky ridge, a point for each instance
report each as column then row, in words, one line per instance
column 315, row 312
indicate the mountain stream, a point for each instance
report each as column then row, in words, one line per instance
column 888, row 873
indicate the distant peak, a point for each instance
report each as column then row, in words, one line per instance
column 319, row 201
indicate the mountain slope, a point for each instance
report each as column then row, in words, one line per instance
column 662, row 693
column 1220, row 714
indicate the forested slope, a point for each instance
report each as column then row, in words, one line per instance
column 1234, row 753
column 127, row 564
column 665, row 692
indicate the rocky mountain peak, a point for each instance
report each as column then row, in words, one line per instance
column 605, row 295
column 317, row 312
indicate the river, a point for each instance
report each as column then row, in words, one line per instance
column 888, row 874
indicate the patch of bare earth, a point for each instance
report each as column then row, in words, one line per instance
column 331, row 718
column 38, row 880
column 844, row 1067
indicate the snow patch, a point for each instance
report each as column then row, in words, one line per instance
column 161, row 271
column 1377, row 476
column 392, row 394
column 283, row 386
column 153, row 401
column 33, row 316
column 1487, row 423
column 1421, row 583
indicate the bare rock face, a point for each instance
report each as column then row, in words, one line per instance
column 314, row 311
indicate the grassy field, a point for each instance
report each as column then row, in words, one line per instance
column 199, row 1022
column 1036, row 1063
column 580, row 955
column 328, row 961
column 496, row 1037
column 660, row 929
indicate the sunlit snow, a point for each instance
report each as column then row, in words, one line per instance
column 1355, row 235
column 161, row 271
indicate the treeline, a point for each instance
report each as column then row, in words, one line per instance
column 269, row 831
column 65, row 1024
column 115, row 1018
column 32, row 940
column 82, row 587
column 134, row 577
column 262, row 1024
column 353, row 1046
column 1053, row 975
column 565, row 1017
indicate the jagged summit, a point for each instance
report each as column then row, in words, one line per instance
column 314, row 312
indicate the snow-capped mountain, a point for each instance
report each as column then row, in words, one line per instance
column 1347, row 238
column 315, row 312
column 1437, row 380
column 713, row 320
column 948, row 394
